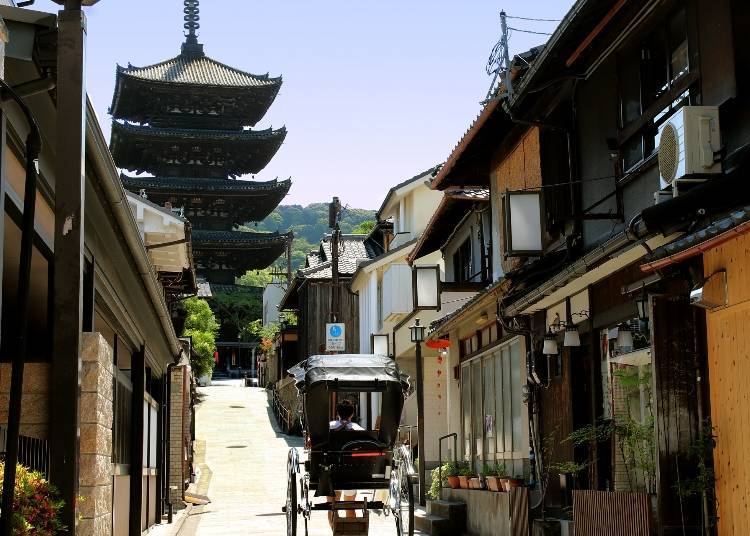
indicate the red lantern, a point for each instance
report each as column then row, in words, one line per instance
column 439, row 343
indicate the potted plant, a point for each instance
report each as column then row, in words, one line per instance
column 493, row 475
column 568, row 473
column 512, row 482
column 450, row 471
column 464, row 474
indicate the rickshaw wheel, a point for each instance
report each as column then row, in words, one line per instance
column 291, row 494
column 404, row 515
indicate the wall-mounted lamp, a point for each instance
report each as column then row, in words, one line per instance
column 550, row 343
column 571, row 339
column 624, row 336
column 380, row 344
column 641, row 303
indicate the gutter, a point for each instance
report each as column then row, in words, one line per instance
column 697, row 249
column 115, row 194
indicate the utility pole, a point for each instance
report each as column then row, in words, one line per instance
column 506, row 58
column 334, row 210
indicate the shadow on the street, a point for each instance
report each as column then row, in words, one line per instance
column 292, row 441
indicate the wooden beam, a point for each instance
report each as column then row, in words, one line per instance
column 595, row 32
column 138, row 379
column 68, row 268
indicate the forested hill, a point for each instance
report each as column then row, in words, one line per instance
column 309, row 224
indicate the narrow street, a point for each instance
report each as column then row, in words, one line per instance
column 242, row 460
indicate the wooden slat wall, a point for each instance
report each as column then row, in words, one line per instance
column 316, row 306
column 674, row 355
column 729, row 369
column 611, row 513
column 519, row 512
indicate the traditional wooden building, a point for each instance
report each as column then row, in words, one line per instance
column 183, row 122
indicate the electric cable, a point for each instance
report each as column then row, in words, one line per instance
column 532, row 19
column 528, row 31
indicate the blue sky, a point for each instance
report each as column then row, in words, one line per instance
column 374, row 92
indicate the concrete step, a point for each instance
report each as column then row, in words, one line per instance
column 433, row 525
column 453, row 510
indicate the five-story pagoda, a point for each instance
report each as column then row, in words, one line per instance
column 185, row 122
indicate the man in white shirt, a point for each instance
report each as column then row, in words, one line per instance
column 344, row 412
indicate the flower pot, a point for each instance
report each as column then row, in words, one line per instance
column 463, row 482
column 493, row 483
column 475, row 483
column 454, row 482
column 511, row 483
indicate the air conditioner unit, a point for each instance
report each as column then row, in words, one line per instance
column 689, row 142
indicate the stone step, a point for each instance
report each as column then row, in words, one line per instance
column 453, row 510
column 433, row 525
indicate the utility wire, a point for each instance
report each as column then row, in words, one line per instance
column 532, row 19
column 528, row 31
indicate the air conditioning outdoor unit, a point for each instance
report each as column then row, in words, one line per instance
column 689, row 143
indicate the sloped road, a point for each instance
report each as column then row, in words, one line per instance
column 242, row 457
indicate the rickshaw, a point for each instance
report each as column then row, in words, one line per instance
column 368, row 460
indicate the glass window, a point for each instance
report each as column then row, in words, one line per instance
column 494, row 412
column 645, row 73
column 39, row 337
column 462, row 265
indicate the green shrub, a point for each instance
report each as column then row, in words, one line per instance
column 36, row 504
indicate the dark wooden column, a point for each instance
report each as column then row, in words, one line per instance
column 69, row 216
column 138, row 377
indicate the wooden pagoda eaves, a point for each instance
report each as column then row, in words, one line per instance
column 193, row 152
column 220, row 256
column 193, row 90
column 213, row 203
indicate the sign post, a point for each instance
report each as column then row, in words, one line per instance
column 335, row 337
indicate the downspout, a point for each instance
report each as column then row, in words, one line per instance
column 115, row 195
column 168, row 442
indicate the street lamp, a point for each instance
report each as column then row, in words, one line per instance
column 417, row 337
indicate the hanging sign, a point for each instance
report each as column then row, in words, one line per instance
column 335, row 334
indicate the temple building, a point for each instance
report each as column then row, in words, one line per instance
column 182, row 131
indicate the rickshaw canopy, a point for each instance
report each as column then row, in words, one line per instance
column 357, row 372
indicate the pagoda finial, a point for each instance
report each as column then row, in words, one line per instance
column 192, row 25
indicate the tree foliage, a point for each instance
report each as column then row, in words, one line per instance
column 256, row 278
column 235, row 310
column 201, row 326
column 364, row 228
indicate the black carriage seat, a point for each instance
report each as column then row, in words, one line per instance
column 347, row 470
column 353, row 440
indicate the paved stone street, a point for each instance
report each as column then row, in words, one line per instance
column 242, row 459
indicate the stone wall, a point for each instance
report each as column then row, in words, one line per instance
column 179, row 433
column 96, row 410
column 35, row 401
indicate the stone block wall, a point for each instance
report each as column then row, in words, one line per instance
column 96, row 411
column 35, row 401
column 179, row 432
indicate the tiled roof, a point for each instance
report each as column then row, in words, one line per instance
column 353, row 249
column 197, row 134
column 728, row 222
column 193, row 184
column 235, row 237
column 198, row 70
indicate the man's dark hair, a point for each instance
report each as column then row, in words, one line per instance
column 345, row 409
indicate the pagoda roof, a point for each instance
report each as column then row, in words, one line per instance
column 192, row 90
column 198, row 70
column 220, row 256
column 193, row 152
column 205, row 186
column 237, row 239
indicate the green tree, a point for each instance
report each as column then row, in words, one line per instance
column 256, row 278
column 201, row 326
column 364, row 228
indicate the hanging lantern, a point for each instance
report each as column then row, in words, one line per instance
column 624, row 337
column 550, row 344
column 572, row 338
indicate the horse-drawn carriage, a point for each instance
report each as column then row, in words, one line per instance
column 344, row 460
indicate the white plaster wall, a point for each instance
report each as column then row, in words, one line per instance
column 271, row 299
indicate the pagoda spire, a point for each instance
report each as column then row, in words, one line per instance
column 192, row 25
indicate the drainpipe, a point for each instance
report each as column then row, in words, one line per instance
column 168, row 441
